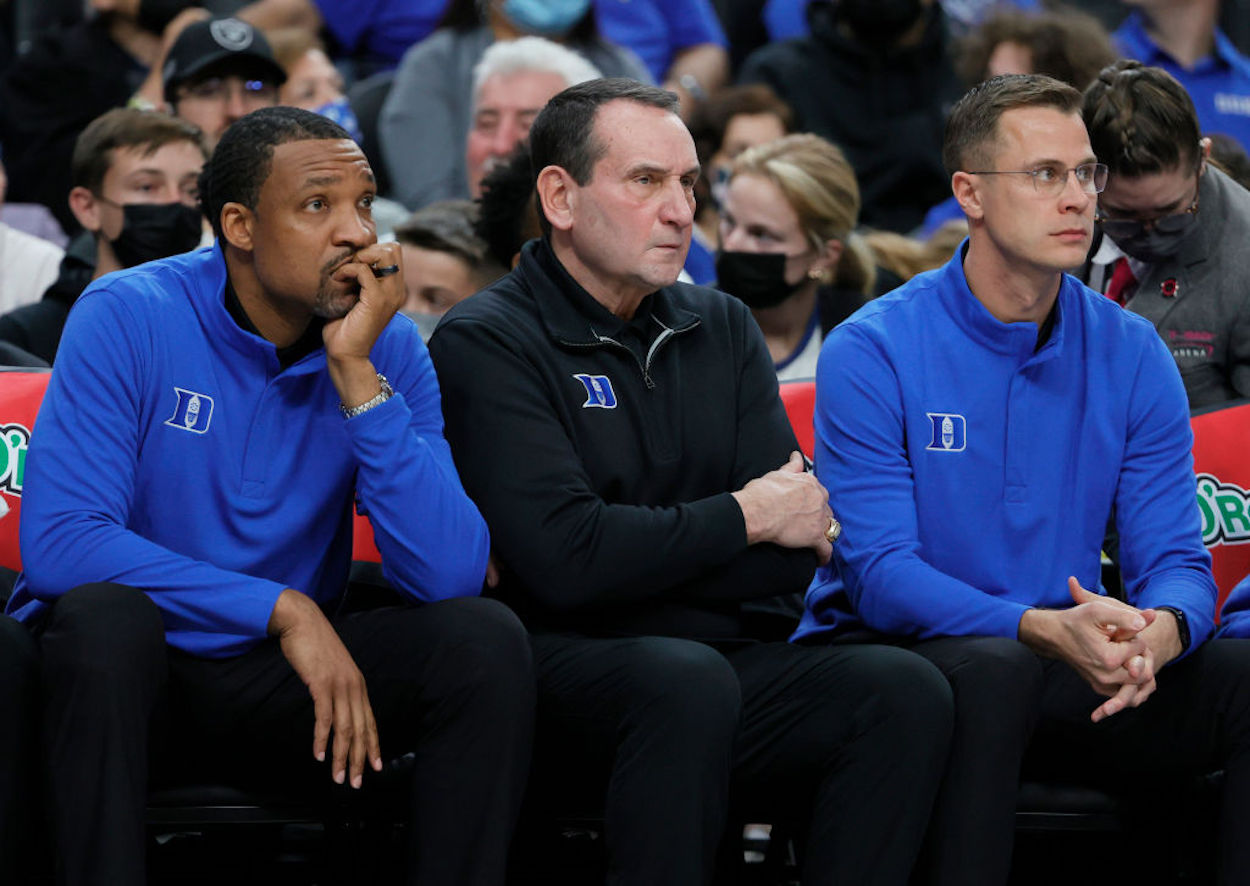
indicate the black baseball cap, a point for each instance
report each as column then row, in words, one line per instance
column 209, row 44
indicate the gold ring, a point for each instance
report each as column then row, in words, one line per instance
column 834, row 531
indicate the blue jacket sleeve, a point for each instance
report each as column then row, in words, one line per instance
column 433, row 540
column 1161, row 554
column 861, row 458
column 80, row 486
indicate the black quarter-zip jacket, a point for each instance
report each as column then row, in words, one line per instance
column 603, row 452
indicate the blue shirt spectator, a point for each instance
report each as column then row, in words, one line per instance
column 657, row 31
column 1218, row 84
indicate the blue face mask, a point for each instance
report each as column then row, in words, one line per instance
column 548, row 18
column 341, row 113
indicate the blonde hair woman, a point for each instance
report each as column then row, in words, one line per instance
column 788, row 247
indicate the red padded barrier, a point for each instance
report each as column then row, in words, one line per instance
column 363, row 546
column 21, row 392
column 1223, row 468
column 799, row 398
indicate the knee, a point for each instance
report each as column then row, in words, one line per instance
column 681, row 685
column 994, row 670
column 870, row 688
column 485, row 641
column 103, row 626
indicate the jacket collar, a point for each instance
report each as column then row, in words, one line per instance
column 571, row 315
column 1019, row 339
column 204, row 278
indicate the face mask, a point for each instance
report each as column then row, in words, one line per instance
column 340, row 111
column 758, row 278
column 548, row 18
column 156, row 230
column 1153, row 244
column 155, row 15
column 879, row 22
column 425, row 322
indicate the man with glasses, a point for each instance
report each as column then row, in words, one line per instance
column 1164, row 216
column 219, row 70
column 976, row 428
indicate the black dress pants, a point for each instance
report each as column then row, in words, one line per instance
column 22, row 853
column 1014, row 708
column 451, row 681
column 849, row 740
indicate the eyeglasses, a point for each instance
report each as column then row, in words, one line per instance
column 1051, row 180
column 1127, row 228
column 222, row 89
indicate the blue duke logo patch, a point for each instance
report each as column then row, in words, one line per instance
column 193, row 412
column 599, row 393
column 950, row 432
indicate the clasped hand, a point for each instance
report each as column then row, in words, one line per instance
column 1114, row 646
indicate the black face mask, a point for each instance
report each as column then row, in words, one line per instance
column 156, row 230
column 879, row 22
column 758, row 278
column 155, row 15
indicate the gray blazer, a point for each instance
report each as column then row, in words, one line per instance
column 1204, row 318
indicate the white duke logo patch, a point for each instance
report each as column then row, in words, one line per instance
column 949, row 432
column 599, row 393
column 193, row 412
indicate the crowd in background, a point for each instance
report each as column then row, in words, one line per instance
column 441, row 92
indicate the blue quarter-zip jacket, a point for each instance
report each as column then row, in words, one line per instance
column 973, row 472
column 173, row 453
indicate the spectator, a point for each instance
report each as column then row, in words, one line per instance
column 511, row 84
column 1167, row 217
column 681, row 42
column 444, row 261
column 27, row 263
column 195, row 374
column 218, row 70
column 507, row 217
column 877, row 82
column 976, row 429
column 788, row 246
column 1068, row 45
column 136, row 191
column 312, row 81
column 622, row 435
column 1183, row 39
column 68, row 78
column 426, row 116
column 732, row 120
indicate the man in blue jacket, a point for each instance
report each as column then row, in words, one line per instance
column 186, row 529
column 976, row 430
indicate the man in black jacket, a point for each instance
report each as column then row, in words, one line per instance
column 623, row 437
column 876, row 79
